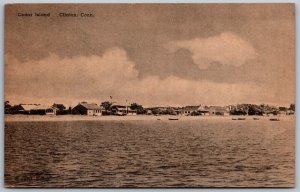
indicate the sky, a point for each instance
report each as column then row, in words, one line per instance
column 154, row 54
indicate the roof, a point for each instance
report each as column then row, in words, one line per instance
column 191, row 108
column 121, row 104
column 28, row 107
column 217, row 108
column 90, row 106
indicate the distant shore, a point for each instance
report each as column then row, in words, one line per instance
column 13, row 118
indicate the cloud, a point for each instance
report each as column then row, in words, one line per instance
column 75, row 77
column 95, row 78
column 226, row 48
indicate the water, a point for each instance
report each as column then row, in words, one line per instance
column 204, row 153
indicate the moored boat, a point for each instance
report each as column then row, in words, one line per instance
column 274, row 119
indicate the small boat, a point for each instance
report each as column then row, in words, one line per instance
column 274, row 119
column 255, row 118
column 234, row 118
column 159, row 119
column 241, row 118
column 173, row 119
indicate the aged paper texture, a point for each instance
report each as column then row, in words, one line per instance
column 149, row 95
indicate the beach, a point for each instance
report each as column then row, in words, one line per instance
column 12, row 118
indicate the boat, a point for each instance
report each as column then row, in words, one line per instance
column 274, row 119
column 241, row 118
column 159, row 119
column 255, row 118
column 172, row 119
column 234, row 118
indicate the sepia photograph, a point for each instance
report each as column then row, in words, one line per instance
column 149, row 95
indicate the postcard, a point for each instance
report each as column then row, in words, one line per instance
column 149, row 95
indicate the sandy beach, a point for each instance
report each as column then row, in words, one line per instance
column 12, row 118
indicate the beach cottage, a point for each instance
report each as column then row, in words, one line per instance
column 119, row 110
column 85, row 108
column 191, row 110
column 34, row 109
column 218, row 110
column 122, row 109
column 203, row 110
column 50, row 111
column 43, row 110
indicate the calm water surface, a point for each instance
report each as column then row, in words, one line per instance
column 150, row 153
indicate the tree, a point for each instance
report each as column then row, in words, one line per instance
column 59, row 106
column 255, row 110
column 6, row 104
column 170, row 111
column 107, row 105
column 292, row 107
column 241, row 109
column 7, row 107
column 282, row 108
column 139, row 108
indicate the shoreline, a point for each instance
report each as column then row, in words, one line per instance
column 37, row 118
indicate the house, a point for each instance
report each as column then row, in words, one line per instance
column 85, row 108
column 34, row 109
column 51, row 111
column 290, row 112
column 131, row 112
column 218, row 110
column 177, row 110
column 203, row 110
column 119, row 110
column 157, row 110
column 191, row 110
column 43, row 110
column 282, row 113
column 148, row 111
column 270, row 113
column 122, row 109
